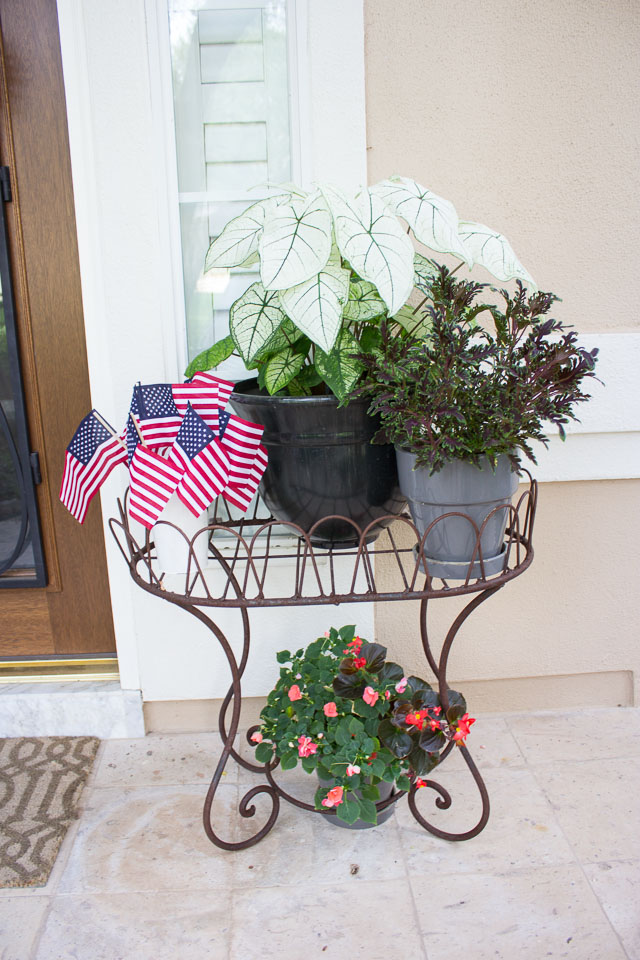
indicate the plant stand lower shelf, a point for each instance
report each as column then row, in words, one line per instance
column 244, row 554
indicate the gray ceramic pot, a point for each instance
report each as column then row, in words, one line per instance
column 477, row 492
column 385, row 792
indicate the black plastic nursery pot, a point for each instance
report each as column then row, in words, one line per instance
column 322, row 463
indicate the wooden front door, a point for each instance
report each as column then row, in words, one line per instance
column 72, row 613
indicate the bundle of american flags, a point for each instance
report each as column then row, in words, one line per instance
column 178, row 439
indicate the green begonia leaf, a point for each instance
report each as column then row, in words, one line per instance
column 348, row 811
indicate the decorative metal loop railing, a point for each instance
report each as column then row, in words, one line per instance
column 247, row 562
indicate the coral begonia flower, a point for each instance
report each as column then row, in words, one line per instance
column 294, row 692
column 370, row 695
column 306, row 746
column 420, row 783
column 463, row 728
column 330, row 709
column 359, row 662
column 401, row 685
column 334, row 797
column 256, row 737
column 352, row 769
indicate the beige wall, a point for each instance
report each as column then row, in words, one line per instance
column 573, row 615
column 526, row 116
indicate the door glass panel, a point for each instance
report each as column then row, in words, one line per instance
column 21, row 562
column 231, row 108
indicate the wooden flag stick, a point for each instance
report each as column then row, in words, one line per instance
column 135, row 423
column 108, row 427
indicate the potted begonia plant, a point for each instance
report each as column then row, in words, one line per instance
column 463, row 403
column 331, row 270
column 352, row 717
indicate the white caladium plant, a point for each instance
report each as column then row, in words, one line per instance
column 332, row 268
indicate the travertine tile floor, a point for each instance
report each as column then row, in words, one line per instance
column 556, row 873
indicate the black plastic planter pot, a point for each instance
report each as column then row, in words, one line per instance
column 321, row 463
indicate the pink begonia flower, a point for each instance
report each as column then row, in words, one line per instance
column 294, row 692
column 387, row 695
column 401, row 685
column 326, row 633
column 352, row 769
column 306, row 746
column 334, row 797
column 370, row 695
column 256, row 737
column 330, row 709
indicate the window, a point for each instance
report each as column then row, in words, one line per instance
column 231, row 90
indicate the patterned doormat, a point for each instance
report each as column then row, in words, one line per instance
column 41, row 780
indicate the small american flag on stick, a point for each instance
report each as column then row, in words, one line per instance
column 157, row 416
column 241, row 440
column 204, row 398
column 198, row 454
column 153, row 480
column 241, row 495
column 91, row 456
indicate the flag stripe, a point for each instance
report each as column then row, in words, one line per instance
column 153, row 482
column 89, row 459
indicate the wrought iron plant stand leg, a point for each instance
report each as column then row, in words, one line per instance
column 518, row 556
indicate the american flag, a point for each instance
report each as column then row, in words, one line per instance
column 207, row 394
column 241, row 440
column 153, row 480
column 241, row 495
column 91, row 456
column 198, row 454
column 157, row 416
column 225, row 387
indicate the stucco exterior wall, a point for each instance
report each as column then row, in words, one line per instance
column 526, row 117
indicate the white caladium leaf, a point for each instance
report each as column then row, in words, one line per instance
column 253, row 319
column 340, row 369
column 238, row 242
column 282, row 368
column 433, row 219
column 374, row 243
column 295, row 243
column 315, row 306
column 424, row 270
column 415, row 322
column 493, row 252
column 364, row 302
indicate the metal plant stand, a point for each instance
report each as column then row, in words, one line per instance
column 249, row 550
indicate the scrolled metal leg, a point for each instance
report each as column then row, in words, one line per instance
column 443, row 799
column 246, row 808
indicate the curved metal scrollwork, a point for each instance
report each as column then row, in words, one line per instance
column 245, row 565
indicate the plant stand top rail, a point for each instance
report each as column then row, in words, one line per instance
column 261, row 562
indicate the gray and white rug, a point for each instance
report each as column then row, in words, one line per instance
column 41, row 780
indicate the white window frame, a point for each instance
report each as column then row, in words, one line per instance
column 338, row 37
